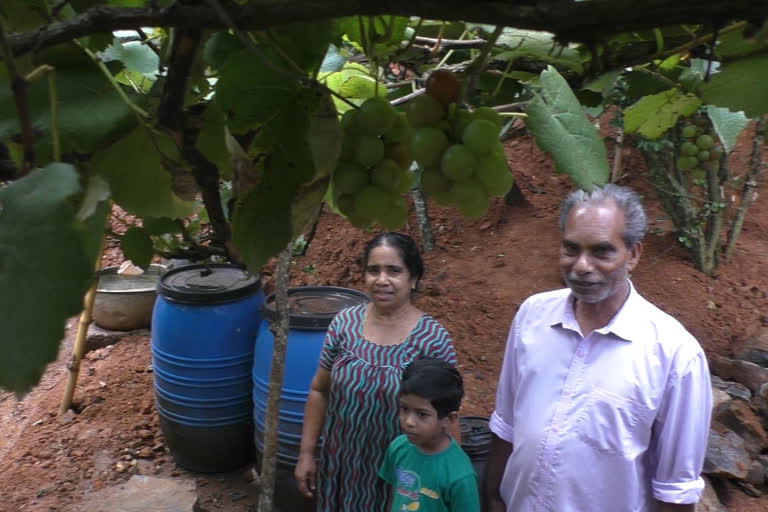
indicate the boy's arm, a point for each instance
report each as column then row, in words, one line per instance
column 389, row 500
column 463, row 495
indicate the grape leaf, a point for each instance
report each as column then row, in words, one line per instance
column 653, row 115
column 643, row 83
column 728, row 125
column 251, row 92
column 333, row 60
column 44, row 271
column 160, row 225
column 219, row 47
column 390, row 31
column 305, row 43
column 137, row 246
column 134, row 55
column 212, row 140
column 87, row 121
column 557, row 120
column 541, row 46
column 140, row 183
column 302, row 146
column 740, row 85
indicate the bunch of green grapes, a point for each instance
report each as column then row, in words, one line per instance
column 699, row 150
column 373, row 171
column 459, row 151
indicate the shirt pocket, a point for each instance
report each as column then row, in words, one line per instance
column 614, row 425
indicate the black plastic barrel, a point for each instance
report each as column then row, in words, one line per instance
column 311, row 310
column 476, row 441
column 203, row 326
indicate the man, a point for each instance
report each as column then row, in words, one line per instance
column 604, row 400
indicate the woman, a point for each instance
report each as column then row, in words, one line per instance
column 354, row 392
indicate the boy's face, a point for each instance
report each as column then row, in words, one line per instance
column 420, row 423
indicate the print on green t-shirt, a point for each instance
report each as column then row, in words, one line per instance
column 440, row 482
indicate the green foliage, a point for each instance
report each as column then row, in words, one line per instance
column 740, row 85
column 137, row 246
column 541, row 46
column 134, row 169
column 557, row 120
column 45, row 268
column 728, row 125
column 653, row 115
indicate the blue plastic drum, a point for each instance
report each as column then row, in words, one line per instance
column 203, row 326
column 311, row 310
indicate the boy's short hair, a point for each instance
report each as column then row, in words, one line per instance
column 434, row 380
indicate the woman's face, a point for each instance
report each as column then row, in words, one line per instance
column 387, row 279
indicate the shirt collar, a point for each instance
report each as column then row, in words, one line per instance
column 621, row 324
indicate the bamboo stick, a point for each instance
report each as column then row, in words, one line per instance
column 78, row 350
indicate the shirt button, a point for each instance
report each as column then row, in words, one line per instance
column 580, row 353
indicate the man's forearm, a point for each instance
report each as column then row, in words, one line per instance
column 500, row 451
column 676, row 507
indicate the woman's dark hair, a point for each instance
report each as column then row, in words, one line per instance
column 405, row 246
column 434, row 380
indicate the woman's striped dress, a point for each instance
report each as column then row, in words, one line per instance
column 362, row 416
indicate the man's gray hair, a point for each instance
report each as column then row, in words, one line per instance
column 635, row 220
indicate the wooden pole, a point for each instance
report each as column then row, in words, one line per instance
column 271, row 424
column 82, row 330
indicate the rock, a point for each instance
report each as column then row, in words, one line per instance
column 748, row 489
column 737, row 416
column 142, row 493
column 734, row 389
column 719, row 397
column 756, row 475
column 709, row 501
column 726, row 455
column 98, row 337
column 146, row 453
column 145, row 434
column 67, row 417
column 755, row 349
column 751, row 375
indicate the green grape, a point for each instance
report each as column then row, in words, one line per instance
column 703, row 155
column 375, row 116
column 489, row 114
column 348, row 147
column 480, row 136
column 346, row 204
column 457, row 162
column 400, row 131
column 424, row 111
column 689, row 131
column 386, row 174
column 705, row 141
column 348, row 121
column 400, row 153
column 349, row 177
column 436, row 186
column 471, row 198
column 461, row 119
column 698, row 173
column 369, row 150
column 493, row 173
column 407, row 180
column 716, row 153
column 371, row 202
column 685, row 163
column 427, row 145
column 396, row 214
column 689, row 149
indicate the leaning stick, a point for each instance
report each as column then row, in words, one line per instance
column 82, row 330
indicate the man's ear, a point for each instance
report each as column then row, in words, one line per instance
column 451, row 417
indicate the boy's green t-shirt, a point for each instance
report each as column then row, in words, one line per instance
column 440, row 482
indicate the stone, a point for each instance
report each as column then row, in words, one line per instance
column 734, row 389
column 739, row 417
column 756, row 475
column 719, row 397
column 709, row 501
column 751, row 375
column 755, row 348
column 726, row 455
column 142, row 493
column 98, row 337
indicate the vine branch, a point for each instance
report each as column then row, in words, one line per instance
column 574, row 21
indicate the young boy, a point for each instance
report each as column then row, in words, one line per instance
column 427, row 469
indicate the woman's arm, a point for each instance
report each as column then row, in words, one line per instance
column 314, row 417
